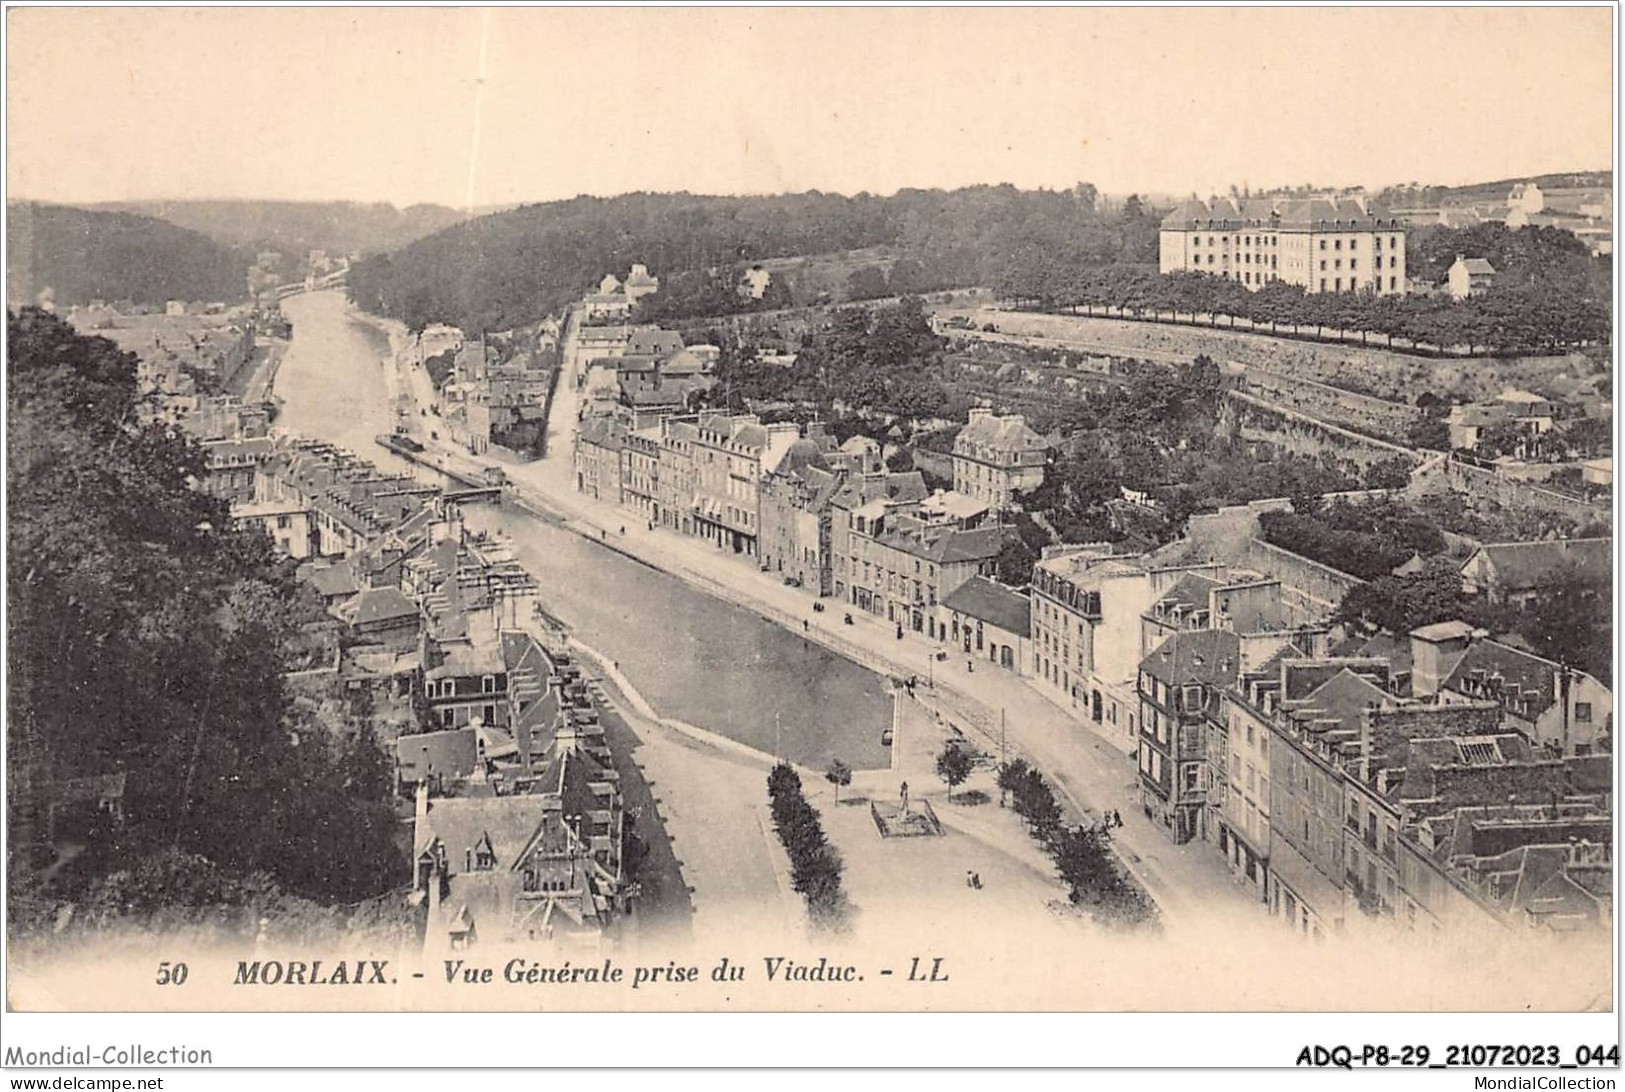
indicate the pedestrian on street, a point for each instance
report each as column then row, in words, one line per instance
column 970, row 668
column 970, row 878
column 805, row 625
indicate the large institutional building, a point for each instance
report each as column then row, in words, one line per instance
column 1323, row 244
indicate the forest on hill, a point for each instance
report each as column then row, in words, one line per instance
column 512, row 268
column 83, row 255
column 295, row 228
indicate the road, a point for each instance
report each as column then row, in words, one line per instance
column 1090, row 772
column 663, row 641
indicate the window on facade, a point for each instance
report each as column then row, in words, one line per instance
column 1354, row 263
column 1393, row 282
column 1323, row 244
column 1337, row 244
column 1582, row 710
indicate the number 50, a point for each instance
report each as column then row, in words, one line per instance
column 171, row 974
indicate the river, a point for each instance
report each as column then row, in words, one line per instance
column 695, row 658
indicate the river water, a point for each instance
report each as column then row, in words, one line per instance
column 693, row 657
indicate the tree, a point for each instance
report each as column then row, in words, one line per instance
column 1569, row 621
column 953, row 766
column 907, row 278
column 173, row 629
column 1399, row 604
column 867, row 282
column 1011, row 776
column 838, row 774
column 1015, row 561
column 1429, row 432
column 1500, row 438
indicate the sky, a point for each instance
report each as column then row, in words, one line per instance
column 475, row 107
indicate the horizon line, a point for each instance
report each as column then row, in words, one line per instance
column 457, row 207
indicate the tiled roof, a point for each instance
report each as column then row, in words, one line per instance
column 801, row 455
column 1493, row 670
column 1009, row 433
column 1190, row 591
column 653, row 341
column 683, row 363
column 1211, row 656
column 992, row 603
column 1478, row 267
column 330, row 581
column 463, row 824
column 601, row 432
column 375, row 606
column 1285, row 214
column 1528, row 564
column 1443, row 631
column 1343, row 698
column 467, row 661
column 451, row 754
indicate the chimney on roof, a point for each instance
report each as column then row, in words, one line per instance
column 978, row 413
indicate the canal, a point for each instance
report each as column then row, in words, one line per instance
column 693, row 657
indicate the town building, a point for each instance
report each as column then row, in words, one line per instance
column 640, row 472
column 1560, row 710
column 905, row 558
column 1314, row 706
column 1240, row 781
column 990, row 621
column 1517, row 573
column 1469, row 277
column 335, row 504
column 383, row 615
column 997, row 457
column 601, row 342
column 1323, row 244
column 728, row 455
column 1087, row 607
column 443, row 760
column 598, row 445
column 796, row 495
column 1180, row 686
column 466, row 681
column 866, row 482
column 230, row 466
column 677, row 481
column 639, row 283
column 542, row 865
